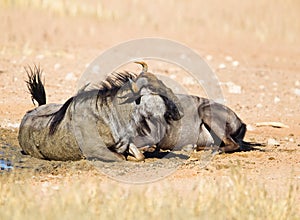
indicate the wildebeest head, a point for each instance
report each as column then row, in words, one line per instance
column 147, row 83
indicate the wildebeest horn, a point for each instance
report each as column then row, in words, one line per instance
column 134, row 151
column 144, row 65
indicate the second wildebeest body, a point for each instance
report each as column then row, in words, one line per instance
column 97, row 123
column 205, row 123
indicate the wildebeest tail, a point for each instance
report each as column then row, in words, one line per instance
column 58, row 116
column 252, row 144
column 35, row 85
column 239, row 135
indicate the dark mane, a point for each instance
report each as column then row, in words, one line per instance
column 107, row 88
column 111, row 85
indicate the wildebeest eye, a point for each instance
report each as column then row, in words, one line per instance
column 138, row 100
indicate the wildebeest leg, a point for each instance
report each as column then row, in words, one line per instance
column 121, row 156
column 239, row 136
column 148, row 148
column 205, row 139
column 240, row 133
column 219, row 134
column 89, row 141
column 229, row 145
column 124, row 145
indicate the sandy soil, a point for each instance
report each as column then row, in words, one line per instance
column 268, row 73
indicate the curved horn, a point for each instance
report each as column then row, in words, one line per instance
column 144, row 65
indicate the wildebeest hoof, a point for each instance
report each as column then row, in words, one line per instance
column 134, row 151
column 148, row 148
column 133, row 159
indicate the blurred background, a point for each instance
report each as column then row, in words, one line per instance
column 253, row 46
column 69, row 23
column 83, row 23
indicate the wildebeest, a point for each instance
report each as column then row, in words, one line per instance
column 205, row 124
column 101, row 123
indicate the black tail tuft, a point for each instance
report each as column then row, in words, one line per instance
column 248, row 146
column 35, row 85
column 253, row 144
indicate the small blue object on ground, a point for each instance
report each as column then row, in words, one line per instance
column 5, row 165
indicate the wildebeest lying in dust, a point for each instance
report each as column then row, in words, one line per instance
column 205, row 124
column 102, row 123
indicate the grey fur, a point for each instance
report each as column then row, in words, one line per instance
column 206, row 124
column 118, row 113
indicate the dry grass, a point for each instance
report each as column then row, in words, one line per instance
column 69, row 7
column 90, row 196
column 263, row 20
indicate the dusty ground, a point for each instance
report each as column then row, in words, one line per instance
column 268, row 73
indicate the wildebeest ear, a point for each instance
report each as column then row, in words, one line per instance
column 172, row 113
column 133, row 86
column 134, row 98
column 82, row 89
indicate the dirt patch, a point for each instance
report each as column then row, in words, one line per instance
column 264, row 70
column 275, row 167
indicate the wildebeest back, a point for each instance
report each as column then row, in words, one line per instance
column 35, row 140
